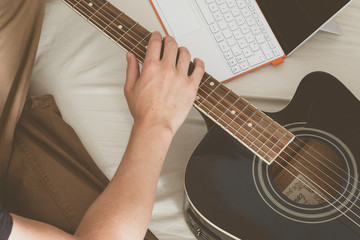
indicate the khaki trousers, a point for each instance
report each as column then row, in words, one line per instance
column 46, row 174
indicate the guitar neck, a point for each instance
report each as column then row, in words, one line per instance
column 257, row 131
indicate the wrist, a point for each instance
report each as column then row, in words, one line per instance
column 150, row 127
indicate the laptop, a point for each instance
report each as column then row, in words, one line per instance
column 234, row 37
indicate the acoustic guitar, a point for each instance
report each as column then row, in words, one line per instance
column 286, row 175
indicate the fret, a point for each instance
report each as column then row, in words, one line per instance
column 240, row 111
column 112, row 22
column 248, row 121
column 230, row 107
column 203, row 82
column 275, row 144
column 211, row 84
column 249, row 136
column 266, row 139
column 219, row 101
column 273, row 134
column 265, row 130
column 257, row 126
column 126, row 32
column 140, row 42
column 77, row 2
column 98, row 9
column 249, row 124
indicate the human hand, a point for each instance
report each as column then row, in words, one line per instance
column 163, row 93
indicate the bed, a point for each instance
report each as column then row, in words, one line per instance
column 85, row 72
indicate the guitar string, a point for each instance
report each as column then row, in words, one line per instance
column 301, row 141
column 140, row 57
column 294, row 151
column 315, row 191
column 113, row 26
column 129, row 29
column 101, row 7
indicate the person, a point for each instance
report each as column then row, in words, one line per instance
column 50, row 188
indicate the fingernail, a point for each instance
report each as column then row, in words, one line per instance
column 128, row 55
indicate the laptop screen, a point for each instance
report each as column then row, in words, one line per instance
column 293, row 21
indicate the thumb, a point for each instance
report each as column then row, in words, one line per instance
column 132, row 71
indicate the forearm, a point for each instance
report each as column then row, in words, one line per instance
column 124, row 209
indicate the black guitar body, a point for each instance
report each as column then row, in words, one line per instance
column 231, row 194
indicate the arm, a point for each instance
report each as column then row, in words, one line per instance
column 159, row 99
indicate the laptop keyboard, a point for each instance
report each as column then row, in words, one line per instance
column 241, row 32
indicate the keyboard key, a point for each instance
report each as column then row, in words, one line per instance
column 205, row 11
column 228, row 17
column 232, row 62
column 250, row 21
column 247, row 52
column 237, row 34
column 240, row 58
column 224, row 47
column 236, row 50
column 260, row 38
column 263, row 29
column 256, row 59
column 231, row 3
column 227, row 33
column 213, row 7
column 235, row 11
column 255, row 30
column 222, row 24
column 254, row 13
column 271, row 44
column 240, row 20
column 245, row 29
column 214, row 28
column 249, row 38
column 242, row 43
column 244, row 65
column 236, row 69
column 223, row 8
column 267, row 51
column 254, row 46
column 218, row 16
column 220, row 2
column 276, row 52
column 259, row 22
column 219, row 36
column 241, row 4
column 231, row 41
column 209, row 1
column 267, row 37
column 228, row 55
column 246, row 12
column 233, row 26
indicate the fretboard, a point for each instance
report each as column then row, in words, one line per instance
column 257, row 131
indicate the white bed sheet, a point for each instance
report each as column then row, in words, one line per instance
column 85, row 72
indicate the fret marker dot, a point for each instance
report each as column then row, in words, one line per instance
column 250, row 124
column 233, row 112
column 198, row 98
column 120, row 26
column 91, row 4
column 212, row 83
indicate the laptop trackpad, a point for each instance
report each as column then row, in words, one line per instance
column 179, row 17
